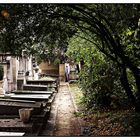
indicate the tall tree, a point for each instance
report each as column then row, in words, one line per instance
column 29, row 24
column 108, row 30
column 114, row 29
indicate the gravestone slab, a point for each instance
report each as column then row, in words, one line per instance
column 12, row 107
column 30, row 87
column 15, row 125
column 32, row 92
column 9, row 134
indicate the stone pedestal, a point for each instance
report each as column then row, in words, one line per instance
column 21, row 79
column 62, row 72
column 5, row 81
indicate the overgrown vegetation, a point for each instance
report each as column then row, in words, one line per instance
column 108, row 76
column 99, row 77
column 105, row 121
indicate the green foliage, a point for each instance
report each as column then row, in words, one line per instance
column 31, row 27
column 112, row 29
column 131, row 46
column 130, row 122
column 99, row 79
column 131, row 80
column 99, row 83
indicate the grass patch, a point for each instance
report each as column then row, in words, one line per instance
column 76, row 93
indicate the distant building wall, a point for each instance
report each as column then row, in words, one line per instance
column 47, row 68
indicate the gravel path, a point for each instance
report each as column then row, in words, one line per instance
column 62, row 120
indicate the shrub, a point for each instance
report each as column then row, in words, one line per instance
column 99, row 82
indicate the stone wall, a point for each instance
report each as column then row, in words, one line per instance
column 47, row 68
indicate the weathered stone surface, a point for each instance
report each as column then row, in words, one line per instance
column 52, row 84
column 15, row 125
column 62, row 72
column 35, row 87
column 15, row 100
column 40, row 118
column 1, row 87
column 31, row 97
column 12, row 108
column 31, row 92
column 20, row 84
column 41, row 82
column 12, row 134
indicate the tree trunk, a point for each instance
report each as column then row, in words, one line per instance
column 136, row 72
column 137, row 79
column 126, row 86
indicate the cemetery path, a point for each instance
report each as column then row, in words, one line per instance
column 62, row 120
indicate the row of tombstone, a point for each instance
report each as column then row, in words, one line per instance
column 27, row 110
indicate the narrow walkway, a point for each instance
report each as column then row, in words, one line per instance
column 62, row 120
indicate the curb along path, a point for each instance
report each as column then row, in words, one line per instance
column 62, row 120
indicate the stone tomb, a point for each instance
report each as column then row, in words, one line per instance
column 42, row 82
column 35, row 87
column 15, row 125
column 34, row 97
column 52, row 84
column 17, row 134
column 31, row 92
column 9, row 107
